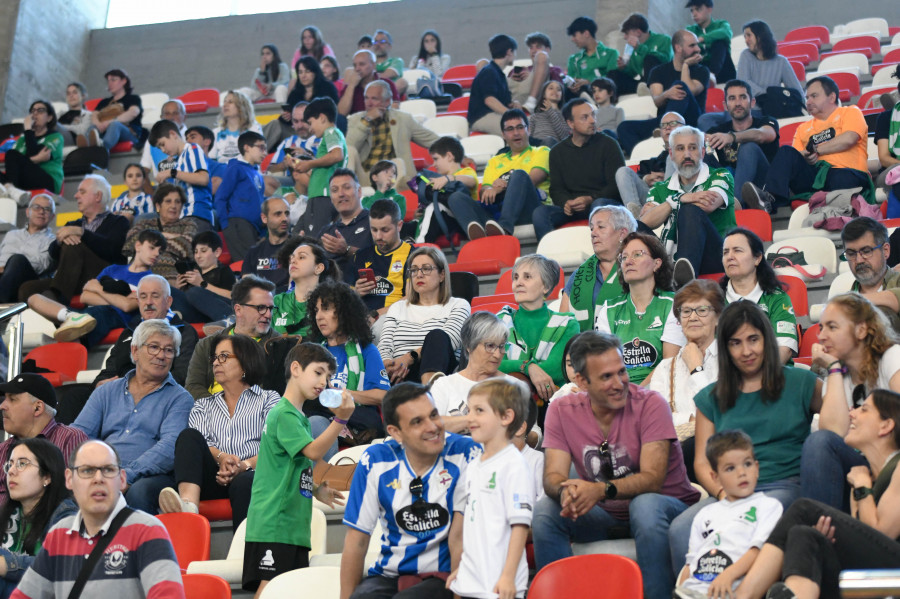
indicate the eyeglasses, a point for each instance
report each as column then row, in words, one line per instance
column 108, row 471
column 636, row 255
column 865, row 252
column 425, row 270
column 44, row 209
column 671, row 124
column 20, row 465
column 381, row 43
column 38, row 110
column 221, row 358
column 260, row 146
column 701, row 311
column 512, row 128
column 261, row 308
column 153, row 349
column 417, row 488
column 492, row 347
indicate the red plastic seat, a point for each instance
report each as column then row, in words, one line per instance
column 863, row 44
column 799, row 69
column 885, row 65
column 488, row 255
column 714, row 276
column 494, row 307
column 810, row 336
column 816, row 34
column 786, row 134
column 65, row 360
column 504, row 284
column 205, row 586
column 236, row 266
column 190, row 537
column 715, row 99
column 869, row 96
column 122, row 146
column 111, row 337
column 225, row 256
column 462, row 74
column 198, row 326
column 412, row 204
column 215, row 509
column 574, row 223
column 458, row 106
column 848, row 84
column 803, row 52
column 577, row 577
column 483, row 300
column 796, row 290
column 421, row 158
column 92, row 104
column 266, row 162
column 200, row 100
column 757, row 221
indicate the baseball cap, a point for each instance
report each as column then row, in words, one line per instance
column 34, row 384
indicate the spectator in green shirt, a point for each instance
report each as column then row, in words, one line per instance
column 715, row 39
column 593, row 60
column 392, row 68
column 649, row 50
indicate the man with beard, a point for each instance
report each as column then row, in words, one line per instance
column 695, row 207
column 867, row 251
column 262, row 259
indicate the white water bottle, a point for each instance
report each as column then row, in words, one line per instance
column 332, row 396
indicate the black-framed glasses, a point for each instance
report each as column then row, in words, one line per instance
column 425, row 270
column 416, row 489
column 153, row 349
column 220, row 358
column 606, row 466
column 108, row 471
column 260, row 308
column 44, row 209
column 19, row 464
column 671, row 124
column 865, row 252
column 636, row 255
column 38, row 110
column 701, row 311
column 512, row 128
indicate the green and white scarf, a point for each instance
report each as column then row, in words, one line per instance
column 894, row 132
column 517, row 348
column 581, row 300
column 356, row 366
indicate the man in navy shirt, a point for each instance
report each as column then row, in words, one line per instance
column 490, row 96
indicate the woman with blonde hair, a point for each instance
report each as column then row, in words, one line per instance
column 858, row 350
column 237, row 117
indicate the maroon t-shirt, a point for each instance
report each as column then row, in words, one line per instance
column 359, row 94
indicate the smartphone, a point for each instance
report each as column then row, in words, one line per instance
column 518, row 70
column 367, row 273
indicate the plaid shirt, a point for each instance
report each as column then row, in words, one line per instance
column 382, row 145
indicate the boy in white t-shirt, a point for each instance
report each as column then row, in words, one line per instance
column 726, row 536
column 533, row 457
column 499, row 497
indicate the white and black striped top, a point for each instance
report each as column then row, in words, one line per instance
column 405, row 325
column 239, row 434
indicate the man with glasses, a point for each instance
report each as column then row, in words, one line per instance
column 866, row 250
column 515, row 183
column 413, row 483
column 582, row 171
column 139, row 561
column 29, row 410
column 631, row 475
column 142, row 414
column 253, row 303
column 24, row 253
column 385, row 65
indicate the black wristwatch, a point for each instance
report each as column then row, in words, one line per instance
column 860, row 493
column 204, row 284
column 173, row 173
column 611, row 491
column 415, row 357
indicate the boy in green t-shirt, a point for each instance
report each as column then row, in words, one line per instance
column 384, row 177
column 332, row 151
column 280, row 513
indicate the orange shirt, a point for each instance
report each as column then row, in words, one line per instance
column 843, row 119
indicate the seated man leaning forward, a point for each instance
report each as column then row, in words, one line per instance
column 142, row 414
column 695, row 207
column 412, row 485
column 630, row 467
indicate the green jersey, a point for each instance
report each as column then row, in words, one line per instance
column 717, row 31
column 591, row 66
column 391, row 63
column 778, row 307
column 391, row 194
column 288, row 315
column 658, row 45
column 281, row 499
column 643, row 334
column 318, row 180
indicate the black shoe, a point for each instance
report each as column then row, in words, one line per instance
column 757, row 199
column 779, row 590
column 683, row 273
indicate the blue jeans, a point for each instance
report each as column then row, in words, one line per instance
column 144, row 493
column 785, row 491
column 317, row 425
column 752, row 165
column 824, row 465
column 116, row 132
column 698, row 240
column 513, row 208
column 650, row 515
column 197, row 304
column 546, row 217
column 108, row 318
column 790, row 172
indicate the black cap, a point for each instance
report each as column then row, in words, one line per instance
column 34, row 384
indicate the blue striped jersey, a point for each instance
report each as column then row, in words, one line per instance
column 414, row 533
column 199, row 198
column 310, row 144
column 142, row 203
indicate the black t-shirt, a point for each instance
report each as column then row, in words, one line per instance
column 261, row 260
column 127, row 101
column 221, row 276
column 67, row 117
column 883, row 126
column 666, row 75
column 728, row 155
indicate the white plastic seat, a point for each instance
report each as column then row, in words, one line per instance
column 321, row 583
column 60, row 107
column 795, row 227
column 791, row 120
column 853, row 28
column 152, row 103
column 816, row 250
column 8, row 211
column 648, row 148
column 481, row 148
column 452, row 125
column 569, row 247
column 637, row 107
column 354, row 453
column 841, row 284
column 841, row 62
column 882, row 78
column 738, row 45
column 334, row 559
column 38, row 330
column 412, row 76
column 421, row 109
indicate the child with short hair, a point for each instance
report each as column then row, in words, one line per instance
column 384, row 177
column 607, row 116
column 726, row 536
column 133, row 201
column 190, row 170
column 280, row 513
column 240, row 196
column 448, row 154
column 533, row 457
column 206, row 282
column 332, row 151
column 500, row 496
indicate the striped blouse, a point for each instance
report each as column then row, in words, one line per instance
column 405, row 325
column 239, row 434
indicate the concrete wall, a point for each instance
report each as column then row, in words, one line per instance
column 46, row 45
column 790, row 14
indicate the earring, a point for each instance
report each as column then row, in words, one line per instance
column 243, row 375
column 45, row 484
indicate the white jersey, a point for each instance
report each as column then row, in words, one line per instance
column 535, row 461
column 723, row 532
column 499, row 494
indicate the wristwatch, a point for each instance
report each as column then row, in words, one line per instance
column 860, row 493
column 611, row 491
column 415, row 356
column 204, row 285
column 697, row 369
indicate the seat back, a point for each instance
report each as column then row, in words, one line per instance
column 318, row 535
column 866, row 25
column 848, row 84
column 8, row 211
column 453, row 125
column 841, row 284
column 420, row 108
column 816, row 250
column 321, row 582
column 637, row 107
column 817, row 34
column 796, row 290
column 715, row 99
column 577, row 577
column 786, row 134
column 421, row 158
column 840, row 62
column 799, row 69
column 190, row 535
column 872, row 98
column 205, row 586
column 646, row 149
column 757, row 221
column 803, row 52
column 461, row 74
column 412, row 77
column 458, row 106
column 569, row 247
column 481, row 148
column 464, row 285
column 236, row 549
column 200, row 100
column 504, row 248
column 884, row 77
column 66, row 358
column 868, row 44
column 810, row 336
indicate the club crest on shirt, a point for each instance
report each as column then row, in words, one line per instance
column 445, row 479
column 115, row 559
column 638, row 352
column 397, row 266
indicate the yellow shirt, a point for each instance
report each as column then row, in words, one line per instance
column 530, row 158
column 843, row 119
column 468, row 171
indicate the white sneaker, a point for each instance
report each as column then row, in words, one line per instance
column 643, row 89
column 75, row 326
column 21, row 196
column 170, row 502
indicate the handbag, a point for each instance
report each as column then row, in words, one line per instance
column 91, row 562
column 791, row 257
column 338, row 476
column 781, row 102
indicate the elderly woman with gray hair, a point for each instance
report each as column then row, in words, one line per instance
column 537, row 335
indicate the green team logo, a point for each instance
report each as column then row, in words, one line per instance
column 492, row 484
column 750, row 515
